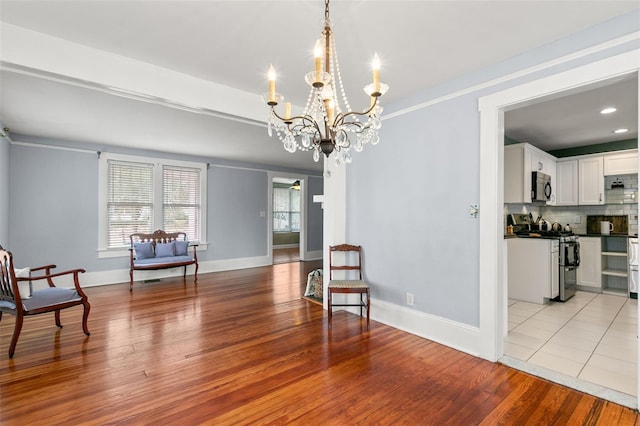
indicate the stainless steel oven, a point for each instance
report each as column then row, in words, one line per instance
column 633, row 267
column 569, row 263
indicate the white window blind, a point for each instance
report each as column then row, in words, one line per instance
column 129, row 200
column 181, row 200
column 286, row 210
column 142, row 194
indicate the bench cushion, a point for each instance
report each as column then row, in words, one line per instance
column 161, row 260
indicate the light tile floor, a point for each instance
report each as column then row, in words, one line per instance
column 591, row 337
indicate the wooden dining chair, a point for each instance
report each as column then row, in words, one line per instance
column 352, row 265
column 34, row 302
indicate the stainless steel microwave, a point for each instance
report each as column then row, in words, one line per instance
column 540, row 187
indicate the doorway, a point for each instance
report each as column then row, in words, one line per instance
column 493, row 293
column 287, row 231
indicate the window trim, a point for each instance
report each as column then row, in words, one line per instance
column 103, row 181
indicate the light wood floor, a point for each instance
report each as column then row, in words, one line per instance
column 242, row 347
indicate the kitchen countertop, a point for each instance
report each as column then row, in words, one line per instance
column 610, row 235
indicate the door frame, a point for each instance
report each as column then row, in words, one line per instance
column 303, row 212
column 492, row 270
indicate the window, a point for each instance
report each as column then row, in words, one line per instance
column 286, row 210
column 142, row 194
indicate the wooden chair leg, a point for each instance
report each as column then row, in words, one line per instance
column 16, row 334
column 329, row 299
column 130, row 279
column 195, row 280
column 184, row 274
column 368, row 308
column 57, row 315
column 85, row 317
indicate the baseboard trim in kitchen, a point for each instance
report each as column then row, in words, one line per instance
column 572, row 382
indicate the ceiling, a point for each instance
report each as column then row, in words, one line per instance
column 232, row 43
column 573, row 118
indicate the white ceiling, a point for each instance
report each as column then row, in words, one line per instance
column 421, row 44
column 573, row 118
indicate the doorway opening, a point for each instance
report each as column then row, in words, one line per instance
column 286, row 219
column 493, row 269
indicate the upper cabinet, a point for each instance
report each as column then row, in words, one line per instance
column 519, row 161
column 621, row 164
column 591, row 181
column 574, row 181
column 567, row 183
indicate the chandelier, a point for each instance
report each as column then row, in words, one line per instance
column 327, row 123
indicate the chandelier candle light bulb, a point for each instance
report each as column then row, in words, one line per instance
column 376, row 73
column 287, row 111
column 272, row 86
column 327, row 123
column 317, row 59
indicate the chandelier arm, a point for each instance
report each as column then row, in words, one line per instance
column 342, row 116
column 307, row 121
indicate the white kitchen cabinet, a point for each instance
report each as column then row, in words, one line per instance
column 589, row 274
column 532, row 269
column 519, row 161
column 625, row 163
column 567, row 183
column 591, row 181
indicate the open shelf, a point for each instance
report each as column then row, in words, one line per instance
column 614, row 253
column 615, row 291
column 614, row 272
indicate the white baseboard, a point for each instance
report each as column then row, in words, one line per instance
column 117, row 276
column 454, row 334
column 283, row 246
column 313, row 255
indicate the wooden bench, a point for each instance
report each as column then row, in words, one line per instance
column 160, row 250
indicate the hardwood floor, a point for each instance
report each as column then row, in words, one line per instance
column 242, row 347
column 286, row 255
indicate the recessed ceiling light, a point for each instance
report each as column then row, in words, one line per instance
column 608, row 110
column 621, row 131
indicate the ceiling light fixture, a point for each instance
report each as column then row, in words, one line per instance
column 621, row 131
column 327, row 124
column 608, row 110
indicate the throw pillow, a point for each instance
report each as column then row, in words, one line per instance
column 144, row 250
column 165, row 249
column 181, row 248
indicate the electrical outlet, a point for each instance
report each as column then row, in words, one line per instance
column 577, row 220
column 410, row 299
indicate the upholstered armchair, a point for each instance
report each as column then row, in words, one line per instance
column 26, row 301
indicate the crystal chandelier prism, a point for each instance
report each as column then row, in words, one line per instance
column 327, row 124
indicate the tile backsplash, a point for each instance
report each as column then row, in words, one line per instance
column 619, row 201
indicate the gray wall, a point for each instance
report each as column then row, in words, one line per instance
column 235, row 227
column 408, row 197
column 4, row 191
column 53, row 214
column 54, row 207
column 315, row 186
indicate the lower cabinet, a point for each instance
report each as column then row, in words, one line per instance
column 532, row 269
column 590, row 270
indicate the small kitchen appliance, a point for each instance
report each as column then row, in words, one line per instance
column 540, row 186
column 606, row 228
